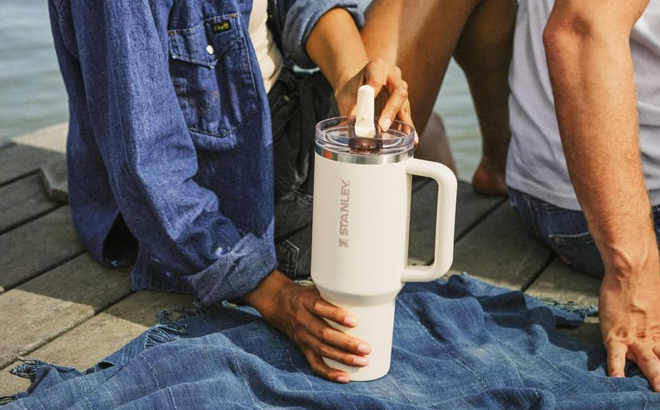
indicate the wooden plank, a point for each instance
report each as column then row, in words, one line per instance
column 500, row 251
column 561, row 282
column 51, row 138
column 470, row 209
column 23, row 201
column 588, row 333
column 29, row 152
column 17, row 161
column 100, row 336
column 55, row 180
column 36, row 247
column 40, row 310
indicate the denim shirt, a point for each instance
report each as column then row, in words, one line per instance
column 169, row 148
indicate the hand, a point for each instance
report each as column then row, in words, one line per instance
column 390, row 90
column 630, row 322
column 299, row 312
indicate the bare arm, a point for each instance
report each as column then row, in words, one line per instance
column 336, row 47
column 588, row 52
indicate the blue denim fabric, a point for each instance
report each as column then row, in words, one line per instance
column 565, row 231
column 170, row 145
column 460, row 345
column 298, row 102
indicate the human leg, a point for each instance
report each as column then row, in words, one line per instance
column 425, row 35
column 564, row 231
column 434, row 144
column 420, row 38
column 484, row 52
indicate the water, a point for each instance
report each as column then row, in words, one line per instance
column 32, row 94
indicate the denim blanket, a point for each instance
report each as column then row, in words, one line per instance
column 460, row 344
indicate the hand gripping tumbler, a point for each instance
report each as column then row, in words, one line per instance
column 360, row 229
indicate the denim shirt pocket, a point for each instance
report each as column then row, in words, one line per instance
column 211, row 73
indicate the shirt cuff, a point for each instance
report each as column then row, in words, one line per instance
column 236, row 273
column 301, row 19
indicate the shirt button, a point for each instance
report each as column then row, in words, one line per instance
column 209, row 49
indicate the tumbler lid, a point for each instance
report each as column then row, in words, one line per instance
column 336, row 140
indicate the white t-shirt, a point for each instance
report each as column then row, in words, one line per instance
column 536, row 163
column 270, row 58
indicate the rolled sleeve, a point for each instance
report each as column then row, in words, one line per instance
column 301, row 18
column 236, row 273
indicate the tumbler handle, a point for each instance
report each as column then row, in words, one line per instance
column 444, row 228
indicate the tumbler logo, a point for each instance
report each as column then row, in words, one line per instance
column 344, row 211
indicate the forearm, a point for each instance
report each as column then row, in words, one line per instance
column 381, row 30
column 593, row 82
column 336, row 48
column 264, row 297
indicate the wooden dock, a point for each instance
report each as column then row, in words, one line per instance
column 57, row 304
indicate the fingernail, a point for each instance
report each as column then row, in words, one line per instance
column 364, row 348
column 342, row 379
column 350, row 322
column 360, row 361
column 385, row 124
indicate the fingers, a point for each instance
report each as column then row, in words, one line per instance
column 398, row 90
column 327, row 310
column 330, row 340
column 645, row 355
column 379, row 74
column 647, row 359
column 324, row 349
column 305, row 323
column 616, row 359
column 375, row 75
column 319, row 367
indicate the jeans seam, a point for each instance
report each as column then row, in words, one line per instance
column 171, row 394
column 151, row 368
column 245, row 380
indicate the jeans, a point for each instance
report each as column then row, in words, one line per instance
column 461, row 344
column 565, row 231
column 297, row 103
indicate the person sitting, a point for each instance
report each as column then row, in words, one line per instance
column 583, row 166
column 190, row 140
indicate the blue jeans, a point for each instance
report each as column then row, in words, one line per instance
column 564, row 231
column 462, row 345
column 297, row 103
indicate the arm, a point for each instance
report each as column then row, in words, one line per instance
column 324, row 33
column 588, row 52
column 382, row 30
column 336, row 47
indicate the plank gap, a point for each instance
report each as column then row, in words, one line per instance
column 30, row 219
column 539, row 272
column 23, row 281
column 19, row 178
column 479, row 220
